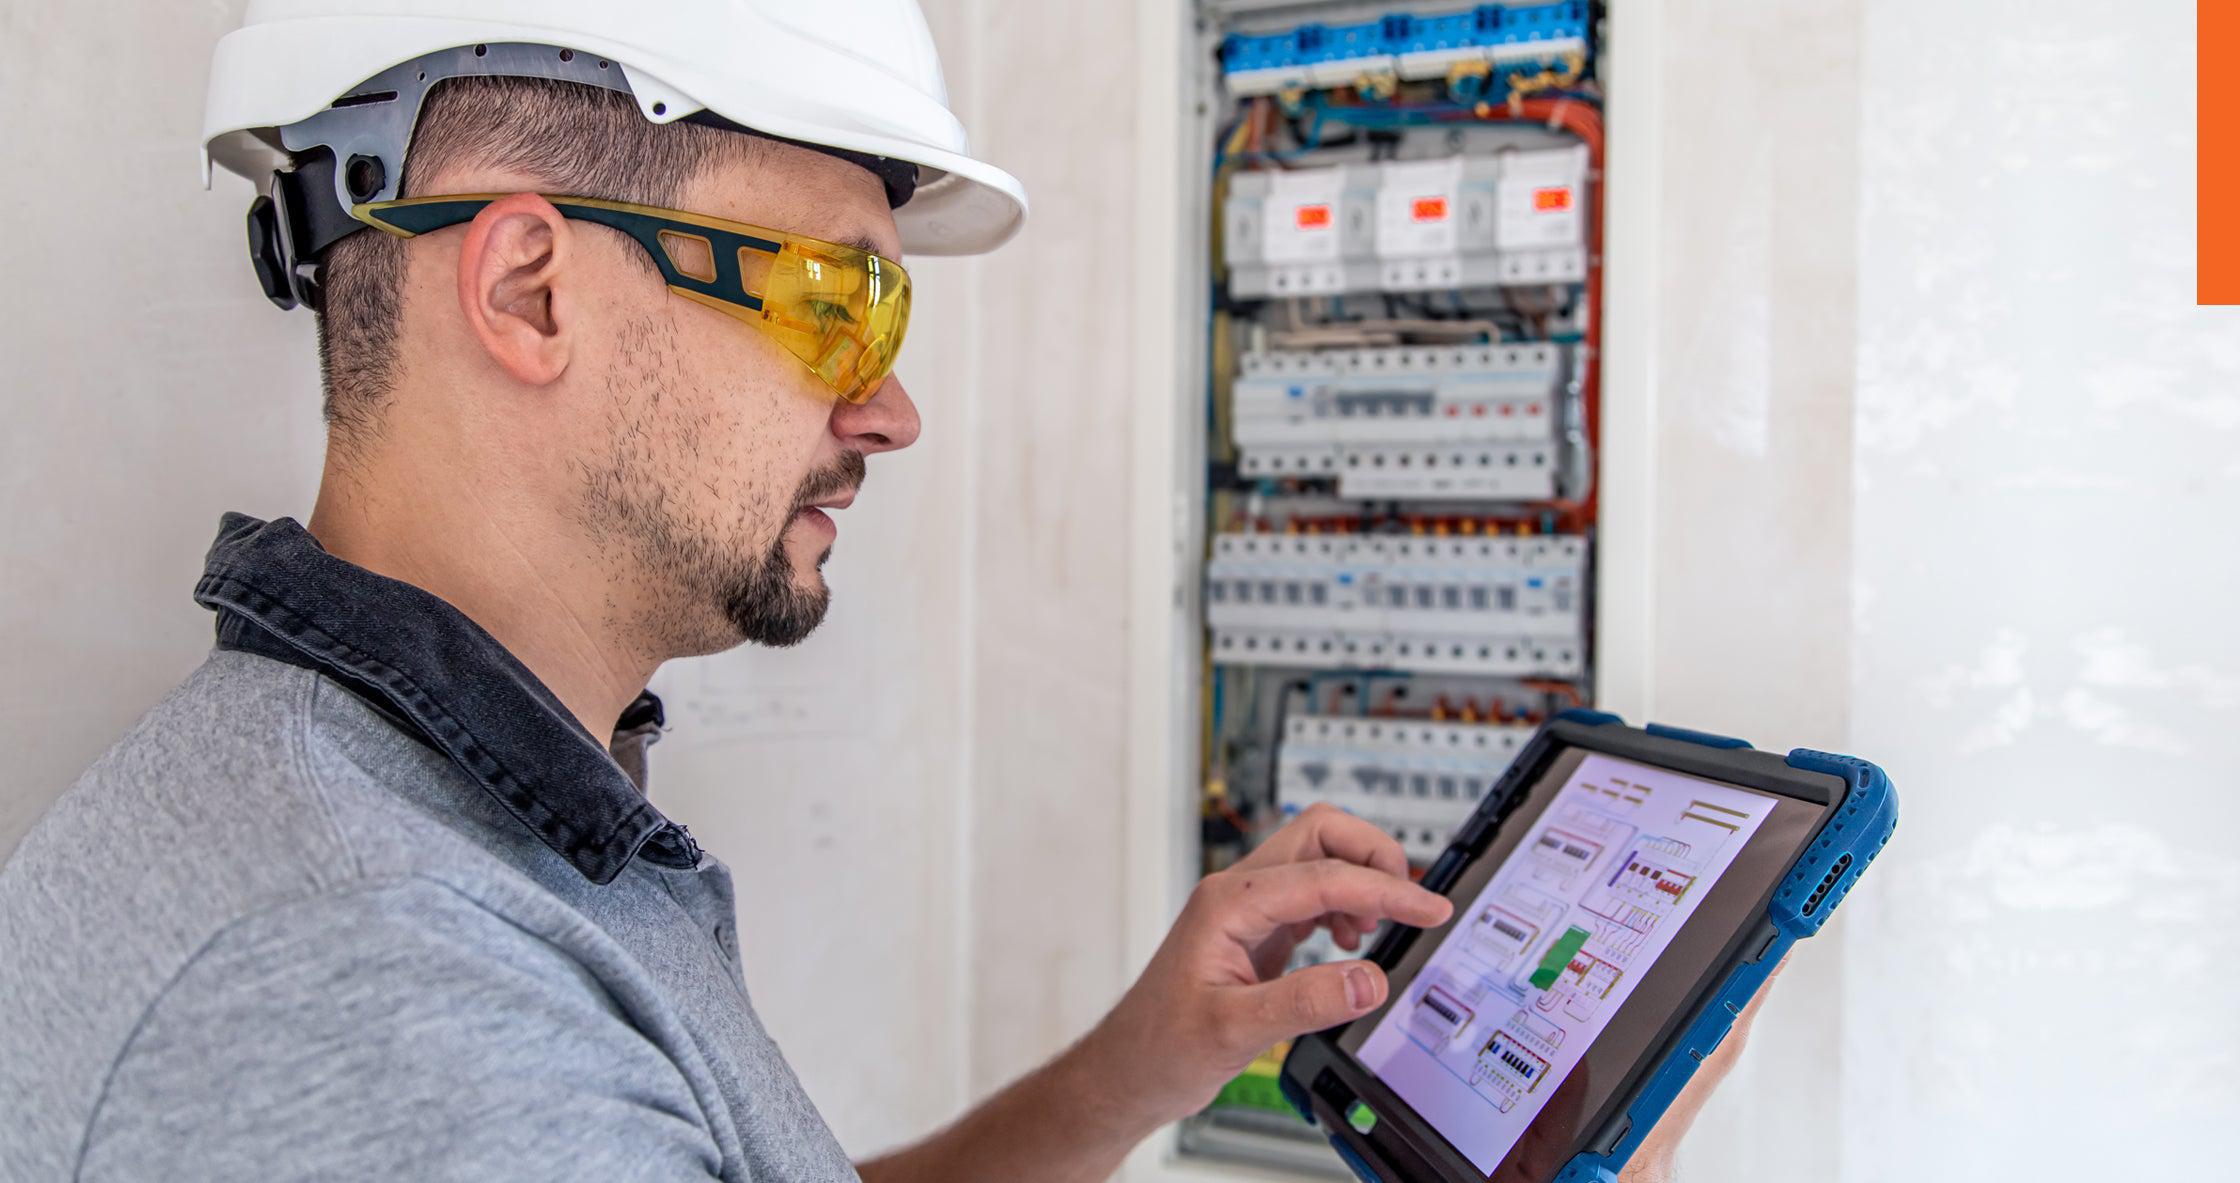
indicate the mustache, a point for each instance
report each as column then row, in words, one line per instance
column 830, row 481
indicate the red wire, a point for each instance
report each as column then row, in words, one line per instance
column 1585, row 122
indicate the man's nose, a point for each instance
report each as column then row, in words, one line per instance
column 888, row 420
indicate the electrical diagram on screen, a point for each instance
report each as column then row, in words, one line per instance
column 1559, row 935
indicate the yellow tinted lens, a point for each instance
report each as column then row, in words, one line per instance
column 840, row 310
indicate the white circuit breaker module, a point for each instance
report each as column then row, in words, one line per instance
column 1475, row 422
column 1541, row 216
column 1417, row 780
column 1436, row 227
column 1509, row 606
column 1304, row 233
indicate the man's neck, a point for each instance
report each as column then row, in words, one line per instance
column 510, row 574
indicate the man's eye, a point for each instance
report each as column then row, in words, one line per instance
column 826, row 312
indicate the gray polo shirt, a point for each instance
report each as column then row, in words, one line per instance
column 360, row 900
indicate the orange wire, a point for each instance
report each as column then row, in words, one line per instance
column 1565, row 689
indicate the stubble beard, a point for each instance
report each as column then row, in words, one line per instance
column 765, row 603
column 707, row 593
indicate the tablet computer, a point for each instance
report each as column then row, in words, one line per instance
column 1619, row 895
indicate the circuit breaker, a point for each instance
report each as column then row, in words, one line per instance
column 1463, row 422
column 1435, row 224
column 1469, row 605
column 1541, row 216
column 1307, row 232
column 1408, row 226
column 1417, row 780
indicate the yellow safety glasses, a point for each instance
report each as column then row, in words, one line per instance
column 841, row 310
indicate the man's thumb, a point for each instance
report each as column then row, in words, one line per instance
column 1316, row 997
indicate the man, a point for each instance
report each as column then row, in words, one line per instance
column 374, row 893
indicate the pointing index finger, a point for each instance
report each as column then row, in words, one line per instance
column 1324, row 832
column 1258, row 901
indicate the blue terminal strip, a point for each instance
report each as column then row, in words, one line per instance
column 1315, row 56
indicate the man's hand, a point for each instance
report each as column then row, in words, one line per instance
column 1215, row 995
column 1653, row 1162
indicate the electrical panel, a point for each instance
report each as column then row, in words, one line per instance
column 1401, row 401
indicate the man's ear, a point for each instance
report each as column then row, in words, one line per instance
column 517, row 250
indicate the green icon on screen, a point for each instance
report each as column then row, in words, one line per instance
column 1559, row 955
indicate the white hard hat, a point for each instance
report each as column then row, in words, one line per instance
column 857, row 76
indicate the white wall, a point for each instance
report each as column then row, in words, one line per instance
column 2039, row 983
column 1726, row 559
column 1943, row 475
column 148, row 386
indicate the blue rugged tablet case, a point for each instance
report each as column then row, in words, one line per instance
column 1849, row 839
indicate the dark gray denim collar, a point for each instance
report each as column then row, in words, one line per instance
column 442, row 679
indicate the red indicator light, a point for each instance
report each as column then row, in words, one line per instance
column 1314, row 217
column 1551, row 199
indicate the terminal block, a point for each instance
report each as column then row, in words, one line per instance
column 1415, row 779
column 1301, row 232
column 1489, row 39
column 1497, row 606
column 1405, row 422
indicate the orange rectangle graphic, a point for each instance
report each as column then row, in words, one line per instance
column 2217, row 154
column 1314, row 217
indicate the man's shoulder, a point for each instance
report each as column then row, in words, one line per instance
column 253, row 783
column 256, row 797
column 221, row 782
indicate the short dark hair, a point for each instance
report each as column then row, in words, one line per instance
column 577, row 139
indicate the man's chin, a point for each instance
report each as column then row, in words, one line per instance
column 785, row 600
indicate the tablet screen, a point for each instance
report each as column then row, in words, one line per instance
column 1613, row 881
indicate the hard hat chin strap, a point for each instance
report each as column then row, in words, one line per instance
column 353, row 153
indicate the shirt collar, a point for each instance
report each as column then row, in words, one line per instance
column 438, row 675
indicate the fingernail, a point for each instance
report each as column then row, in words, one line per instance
column 1361, row 989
